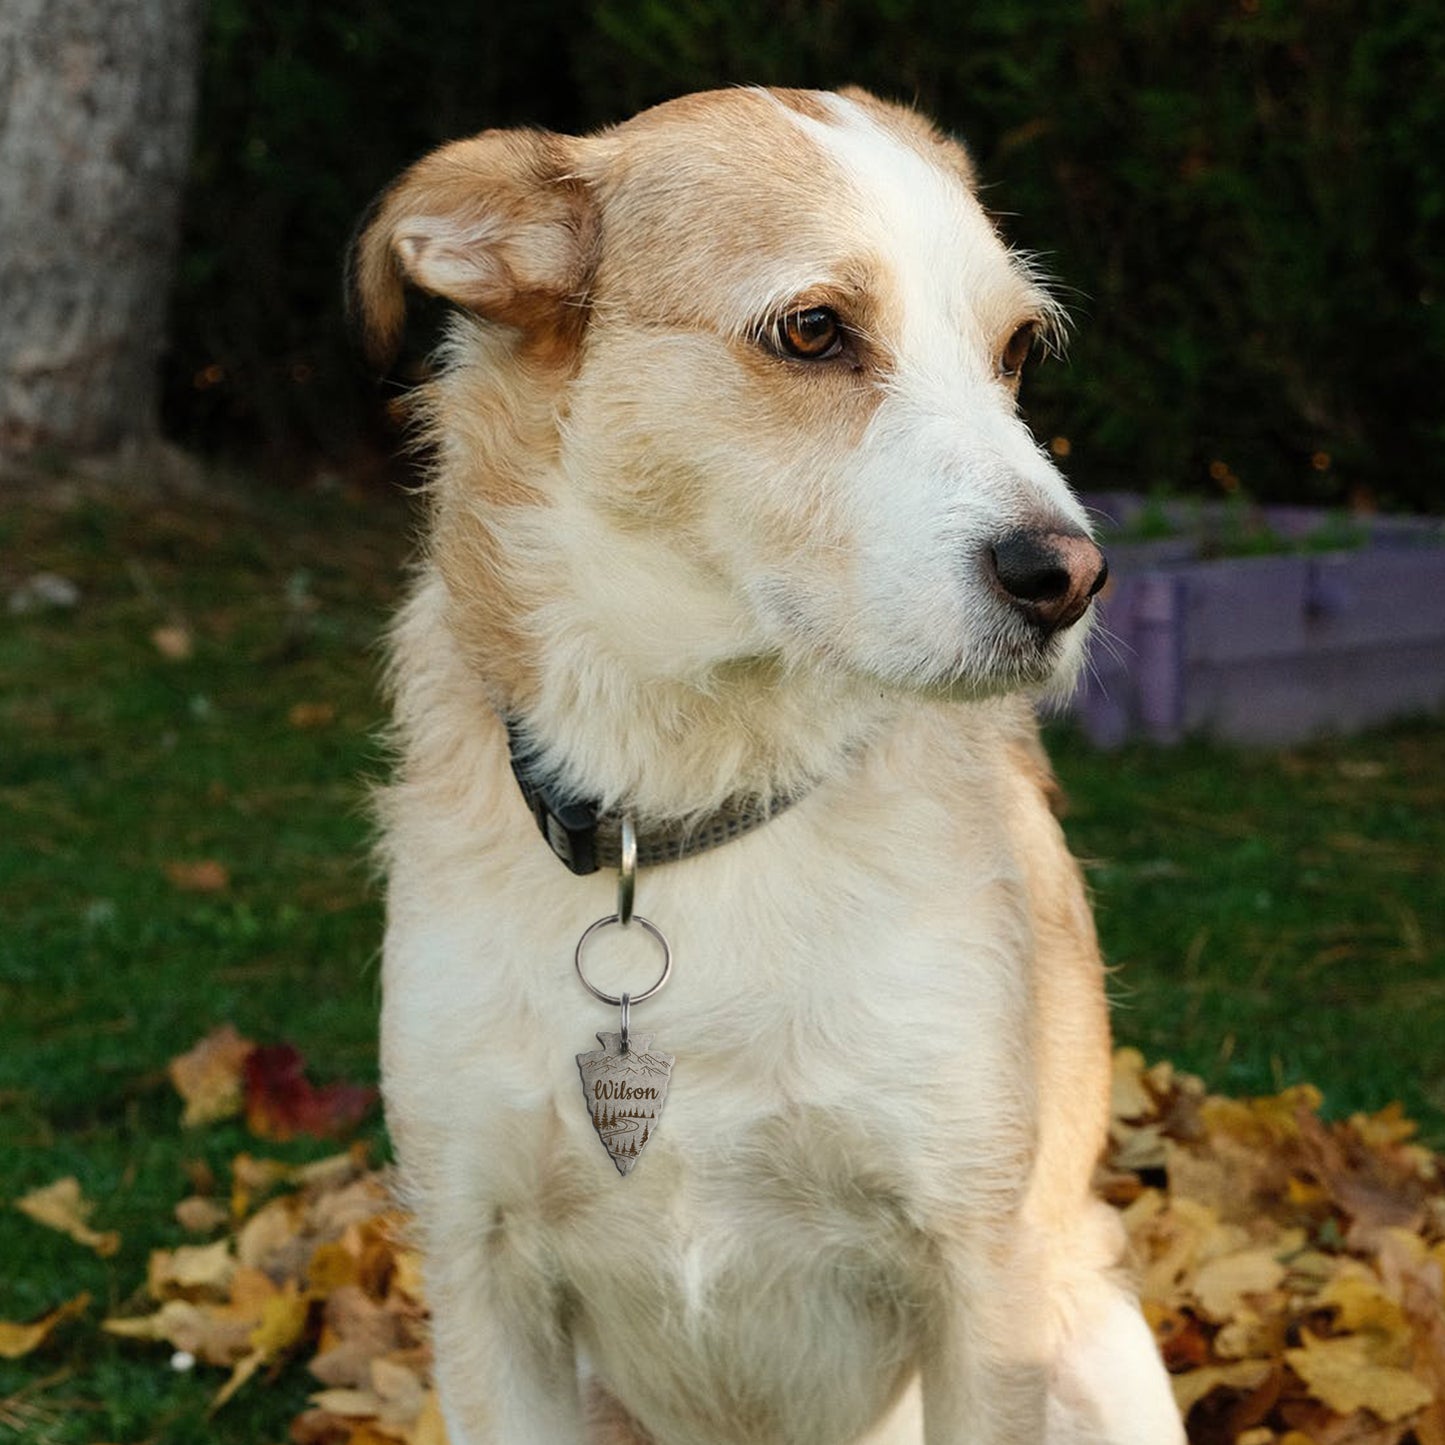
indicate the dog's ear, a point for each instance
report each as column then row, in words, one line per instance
column 499, row 224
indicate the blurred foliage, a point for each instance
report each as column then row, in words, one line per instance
column 1246, row 199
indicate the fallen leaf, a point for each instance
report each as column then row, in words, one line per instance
column 355, row 1320
column 173, row 642
column 201, row 1215
column 332, row 1266
column 1182, row 1339
column 283, row 1321
column 394, row 1399
column 1191, row 1388
column 61, row 1206
column 18, row 1340
column 308, row 715
column 191, row 1271
column 280, row 1328
column 1264, row 1122
column 241, row 1371
column 1343, row 1373
column 1129, row 1098
column 208, row 1076
column 1252, row 1335
column 268, row 1233
column 1221, row 1284
column 206, row 1333
column 349, row 1404
column 1378, row 1189
column 1385, row 1127
column 1362, row 1306
column 429, row 1428
column 335, row 1170
column 204, row 876
column 1138, row 1147
column 282, row 1103
column 252, row 1177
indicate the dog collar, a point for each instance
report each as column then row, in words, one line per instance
column 587, row 839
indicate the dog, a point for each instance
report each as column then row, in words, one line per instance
column 742, row 578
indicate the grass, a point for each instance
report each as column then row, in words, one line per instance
column 1272, row 916
column 117, row 761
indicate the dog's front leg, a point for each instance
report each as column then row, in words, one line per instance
column 984, row 1368
column 505, row 1366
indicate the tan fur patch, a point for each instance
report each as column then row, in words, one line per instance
column 497, row 224
column 703, row 196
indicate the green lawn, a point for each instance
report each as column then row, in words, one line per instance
column 1271, row 916
column 1274, row 917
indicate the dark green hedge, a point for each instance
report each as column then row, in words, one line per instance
column 1245, row 199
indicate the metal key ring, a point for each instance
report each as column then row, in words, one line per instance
column 647, row 927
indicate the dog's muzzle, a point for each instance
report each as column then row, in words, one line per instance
column 1051, row 577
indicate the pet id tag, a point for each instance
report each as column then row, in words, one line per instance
column 624, row 1083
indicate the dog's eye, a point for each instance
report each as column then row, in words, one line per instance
column 812, row 334
column 1017, row 351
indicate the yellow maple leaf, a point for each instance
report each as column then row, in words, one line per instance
column 1344, row 1374
column 19, row 1340
column 331, row 1266
column 282, row 1323
column 61, row 1206
column 1261, row 1122
column 281, row 1326
column 1363, row 1306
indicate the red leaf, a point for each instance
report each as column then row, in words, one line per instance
column 281, row 1102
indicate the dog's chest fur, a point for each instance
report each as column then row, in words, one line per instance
column 775, row 1246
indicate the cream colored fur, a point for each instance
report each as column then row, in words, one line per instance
column 692, row 567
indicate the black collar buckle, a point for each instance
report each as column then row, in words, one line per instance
column 568, row 828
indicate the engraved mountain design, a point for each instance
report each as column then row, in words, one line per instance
column 624, row 1094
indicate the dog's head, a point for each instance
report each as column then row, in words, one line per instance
column 766, row 345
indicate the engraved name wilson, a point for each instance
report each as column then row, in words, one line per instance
column 620, row 1089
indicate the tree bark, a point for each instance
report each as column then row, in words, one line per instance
column 97, row 106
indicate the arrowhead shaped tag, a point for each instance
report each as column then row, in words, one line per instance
column 625, row 1093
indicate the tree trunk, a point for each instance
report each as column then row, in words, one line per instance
column 97, row 103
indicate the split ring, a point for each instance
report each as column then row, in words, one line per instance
column 647, row 927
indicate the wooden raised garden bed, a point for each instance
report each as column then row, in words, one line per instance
column 1261, row 625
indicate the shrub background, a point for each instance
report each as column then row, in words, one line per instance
column 1245, row 199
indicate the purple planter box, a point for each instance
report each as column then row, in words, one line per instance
column 1262, row 649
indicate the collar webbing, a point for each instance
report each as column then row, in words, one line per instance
column 587, row 839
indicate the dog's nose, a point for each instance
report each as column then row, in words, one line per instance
column 1049, row 576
